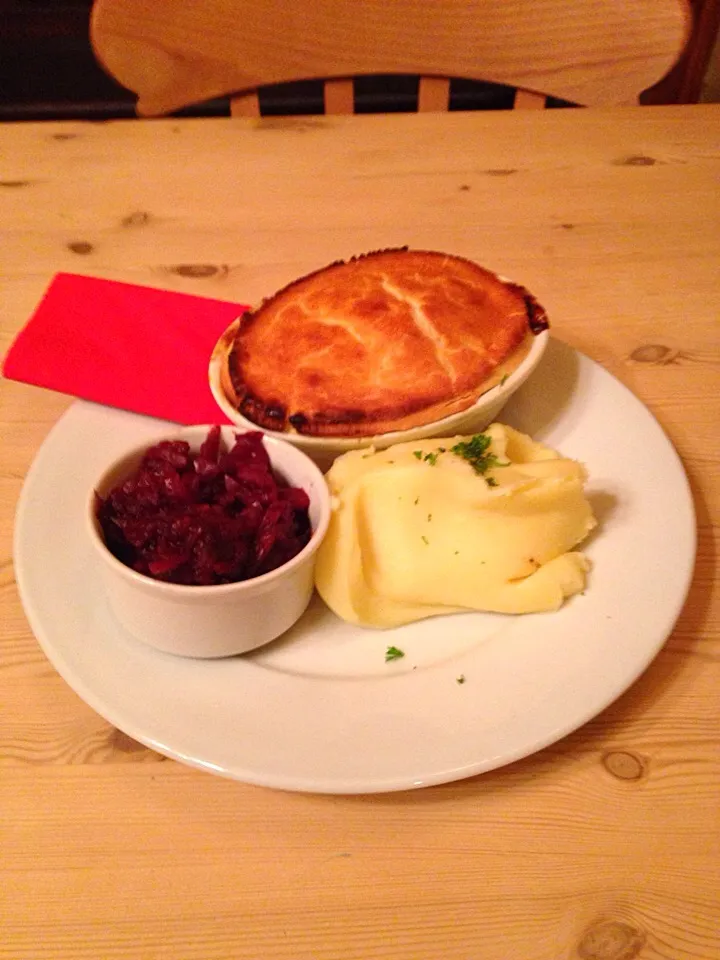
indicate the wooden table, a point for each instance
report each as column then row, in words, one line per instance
column 605, row 846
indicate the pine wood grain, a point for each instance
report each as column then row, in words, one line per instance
column 586, row 51
column 605, row 846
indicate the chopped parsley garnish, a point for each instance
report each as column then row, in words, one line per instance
column 475, row 451
column 429, row 517
column 417, row 500
column 460, row 679
column 392, row 653
column 425, row 540
column 504, row 379
column 430, row 457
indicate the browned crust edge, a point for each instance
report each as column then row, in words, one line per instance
column 355, row 423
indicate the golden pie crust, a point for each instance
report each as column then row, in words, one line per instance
column 386, row 341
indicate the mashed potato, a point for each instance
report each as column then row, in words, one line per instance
column 463, row 523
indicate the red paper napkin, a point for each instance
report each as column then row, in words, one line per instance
column 123, row 345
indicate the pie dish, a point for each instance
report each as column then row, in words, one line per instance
column 383, row 343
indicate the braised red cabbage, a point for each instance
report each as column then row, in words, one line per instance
column 204, row 518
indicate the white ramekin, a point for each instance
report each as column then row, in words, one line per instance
column 221, row 620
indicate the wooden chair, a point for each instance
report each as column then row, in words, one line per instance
column 590, row 52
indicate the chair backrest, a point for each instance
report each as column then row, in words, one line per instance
column 590, row 52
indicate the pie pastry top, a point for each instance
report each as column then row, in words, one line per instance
column 386, row 341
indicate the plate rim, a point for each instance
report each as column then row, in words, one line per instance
column 335, row 785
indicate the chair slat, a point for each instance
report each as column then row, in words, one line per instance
column 339, row 96
column 527, row 100
column 245, row 105
column 433, row 95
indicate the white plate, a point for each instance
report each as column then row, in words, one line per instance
column 320, row 709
